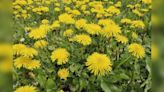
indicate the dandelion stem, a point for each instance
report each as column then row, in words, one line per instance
column 123, row 62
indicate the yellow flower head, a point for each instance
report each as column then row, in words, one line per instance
column 40, row 44
column 63, row 73
column 134, row 35
column 45, row 21
column 111, row 30
column 80, row 23
column 17, row 48
column 26, row 89
column 126, row 21
column 60, row 55
column 55, row 24
column 147, row 1
column 105, row 22
column 113, row 10
column 121, row 39
column 66, row 18
column 138, row 24
column 137, row 50
column 137, row 12
column 68, row 32
column 29, row 52
column 75, row 12
column 93, row 29
column 82, row 38
column 27, row 63
column 38, row 33
column 99, row 64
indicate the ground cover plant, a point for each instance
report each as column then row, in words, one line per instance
column 82, row 45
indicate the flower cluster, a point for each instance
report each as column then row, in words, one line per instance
column 69, row 44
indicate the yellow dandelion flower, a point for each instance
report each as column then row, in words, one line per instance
column 92, row 29
column 55, row 24
column 60, row 55
column 40, row 44
column 105, row 22
column 147, row 1
column 63, row 73
column 99, row 64
column 126, row 21
column 136, row 50
column 67, row 1
column 20, row 62
column 121, row 39
column 137, row 12
column 111, row 30
column 138, row 24
column 75, row 12
column 113, row 10
column 29, row 52
column 57, row 9
column 27, row 63
column 66, row 18
column 38, row 33
column 68, row 32
column 82, row 38
column 26, row 89
column 134, row 35
column 17, row 48
column 118, row 4
column 33, row 64
column 80, row 23
column 45, row 21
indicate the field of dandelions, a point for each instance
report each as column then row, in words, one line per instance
column 82, row 45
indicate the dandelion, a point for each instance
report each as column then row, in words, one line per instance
column 38, row 33
column 68, row 32
column 45, row 21
column 63, row 73
column 82, row 38
column 92, row 29
column 55, row 24
column 137, row 12
column 33, row 64
column 121, row 39
column 29, row 52
column 134, row 35
column 60, row 55
column 111, row 30
column 105, row 22
column 147, row 1
column 113, row 10
column 17, row 48
column 27, row 63
column 99, row 64
column 80, row 23
column 126, row 21
column 136, row 50
column 66, row 18
column 26, row 89
column 40, row 44
column 138, row 24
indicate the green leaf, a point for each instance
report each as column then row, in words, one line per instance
column 41, row 79
column 50, row 85
column 105, row 87
column 124, row 76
